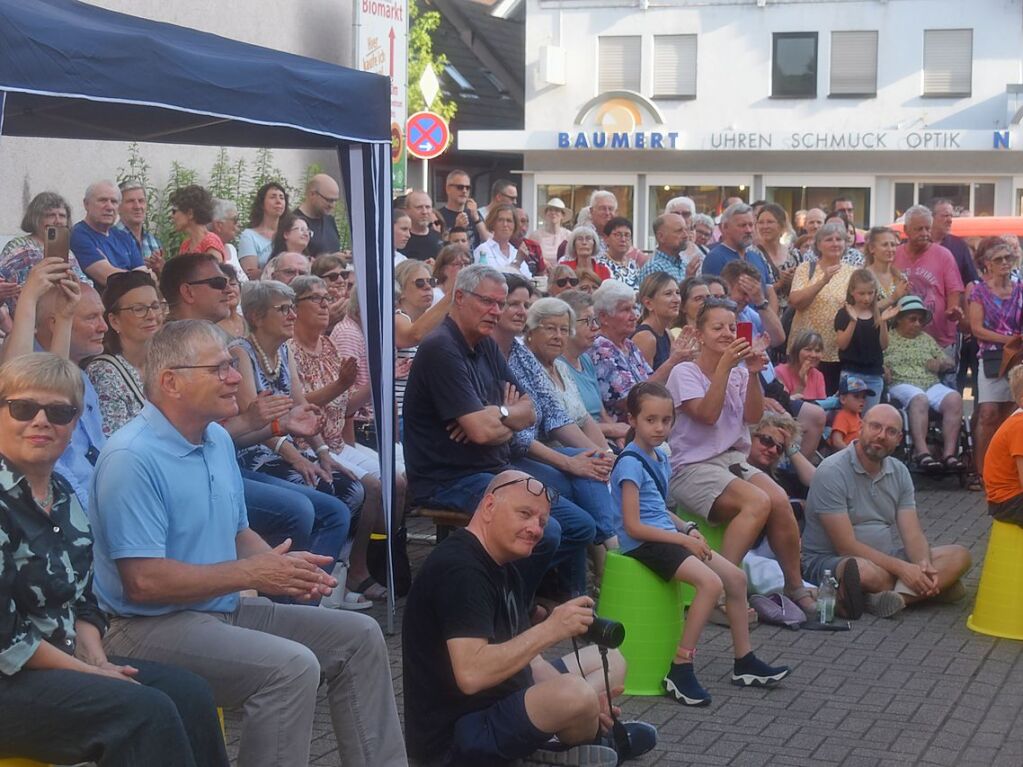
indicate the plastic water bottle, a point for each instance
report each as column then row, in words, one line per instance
column 483, row 257
column 826, row 595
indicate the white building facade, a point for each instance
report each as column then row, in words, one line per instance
column 888, row 102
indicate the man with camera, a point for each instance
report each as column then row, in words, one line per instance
column 477, row 691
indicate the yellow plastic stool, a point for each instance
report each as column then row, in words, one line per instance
column 21, row 763
column 999, row 608
column 651, row 611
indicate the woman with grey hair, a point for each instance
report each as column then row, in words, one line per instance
column 225, row 225
column 581, row 252
column 266, row 364
column 53, row 668
column 22, row 253
column 819, row 289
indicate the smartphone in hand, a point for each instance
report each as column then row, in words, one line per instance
column 744, row 330
column 55, row 242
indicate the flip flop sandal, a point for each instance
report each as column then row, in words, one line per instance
column 366, row 589
column 804, row 593
column 926, row 462
column 354, row 601
column 719, row 617
column 974, row 483
column 951, row 463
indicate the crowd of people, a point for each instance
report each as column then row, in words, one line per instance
column 189, row 482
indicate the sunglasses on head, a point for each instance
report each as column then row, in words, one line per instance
column 770, row 443
column 27, row 409
column 217, row 283
column 563, row 281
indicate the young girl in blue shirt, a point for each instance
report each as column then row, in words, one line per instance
column 675, row 550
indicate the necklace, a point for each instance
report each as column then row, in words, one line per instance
column 47, row 500
column 273, row 371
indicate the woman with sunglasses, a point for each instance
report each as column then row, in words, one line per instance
column 234, row 325
column 562, row 278
column 777, row 436
column 191, row 210
column 266, row 364
column 62, row 700
column 336, row 274
column 327, row 379
column 256, row 242
column 415, row 315
column 450, row 261
column 580, row 366
column 292, row 236
column 133, row 312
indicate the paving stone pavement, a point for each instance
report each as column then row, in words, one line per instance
column 919, row 689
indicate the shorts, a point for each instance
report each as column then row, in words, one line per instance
column 362, row 461
column 904, row 392
column 814, row 565
column 697, row 485
column 1007, row 511
column 501, row 733
column 662, row 558
column 992, row 389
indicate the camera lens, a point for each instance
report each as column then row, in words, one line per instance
column 606, row 633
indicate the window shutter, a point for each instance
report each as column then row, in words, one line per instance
column 853, row 63
column 674, row 65
column 619, row 63
column 948, row 62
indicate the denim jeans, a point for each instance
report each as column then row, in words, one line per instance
column 465, row 494
column 279, row 509
column 591, row 495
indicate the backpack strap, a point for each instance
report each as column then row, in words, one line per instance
column 658, row 480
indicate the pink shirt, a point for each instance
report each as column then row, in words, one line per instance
column 789, row 376
column 933, row 277
column 693, row 442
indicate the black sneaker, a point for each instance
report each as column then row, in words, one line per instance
column 681, row 684
column 750, row 671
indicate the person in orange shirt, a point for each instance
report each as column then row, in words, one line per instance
column 1003, row 464
column 852, row 394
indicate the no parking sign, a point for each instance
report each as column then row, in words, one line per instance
column 426, row 135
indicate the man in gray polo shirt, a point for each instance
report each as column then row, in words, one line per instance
column 859, row 498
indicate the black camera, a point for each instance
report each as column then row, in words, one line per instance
column 605, row 633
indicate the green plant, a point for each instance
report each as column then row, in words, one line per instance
column 422, row 25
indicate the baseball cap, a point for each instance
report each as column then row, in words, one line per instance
column 854, row 385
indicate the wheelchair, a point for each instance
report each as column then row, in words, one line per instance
column 935, row 443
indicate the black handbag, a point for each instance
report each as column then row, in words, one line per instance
column 376, row 561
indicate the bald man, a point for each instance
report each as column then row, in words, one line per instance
column 859, row 498
column 477, row 690
column 317, row 210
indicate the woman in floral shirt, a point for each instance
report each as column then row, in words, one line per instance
column 619, row 363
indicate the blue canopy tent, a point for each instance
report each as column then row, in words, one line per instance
column 73, row 71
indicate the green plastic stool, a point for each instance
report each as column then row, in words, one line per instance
column 651, row 611
column 713, row 534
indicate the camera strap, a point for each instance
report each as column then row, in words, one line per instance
column 619, row 735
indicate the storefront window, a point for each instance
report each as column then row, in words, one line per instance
column 1019, row 202
column 976, row 199
column 708, row 199
column 578, row 196
column 794, row 198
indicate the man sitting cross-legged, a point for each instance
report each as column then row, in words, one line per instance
column 477, row 691
column 858, row 499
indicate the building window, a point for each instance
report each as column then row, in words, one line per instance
column 794, row 65
column 794, row 198
column 577, row 196
column 853, row 64
column 674, row 66
column 619, row 63
column 968, row 199
column 948, row 62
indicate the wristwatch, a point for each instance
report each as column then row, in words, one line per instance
column 761, row 306
column 504, row 412
column 792, row 449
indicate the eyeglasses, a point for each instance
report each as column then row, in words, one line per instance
column 556, row 330
column 591, row 322
column 534, row 487
column 625, row 235
column 27, row 409
column 217, row 283
column 437, row 224
column 1006, row 259
column 324, row 197
column 284, row 309
column 563, row 281
column 300, row 230
column 489, row 302
column 322, row 301
column 460, row 187
column 141, row 310
column 424, row 282
column 223, row 369
column 770, row 443
column 333, row 276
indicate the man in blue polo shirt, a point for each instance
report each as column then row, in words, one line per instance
column 462, row 407
column 173, row 548
column 737, row 227
column 101, row 248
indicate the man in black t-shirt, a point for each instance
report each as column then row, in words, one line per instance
column 317, row 210
column 477, row 691
column 460, row 209
column 425, row 241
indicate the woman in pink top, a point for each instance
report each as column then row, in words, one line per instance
column 191, row 210
column 717, row 402
column 800, row 376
